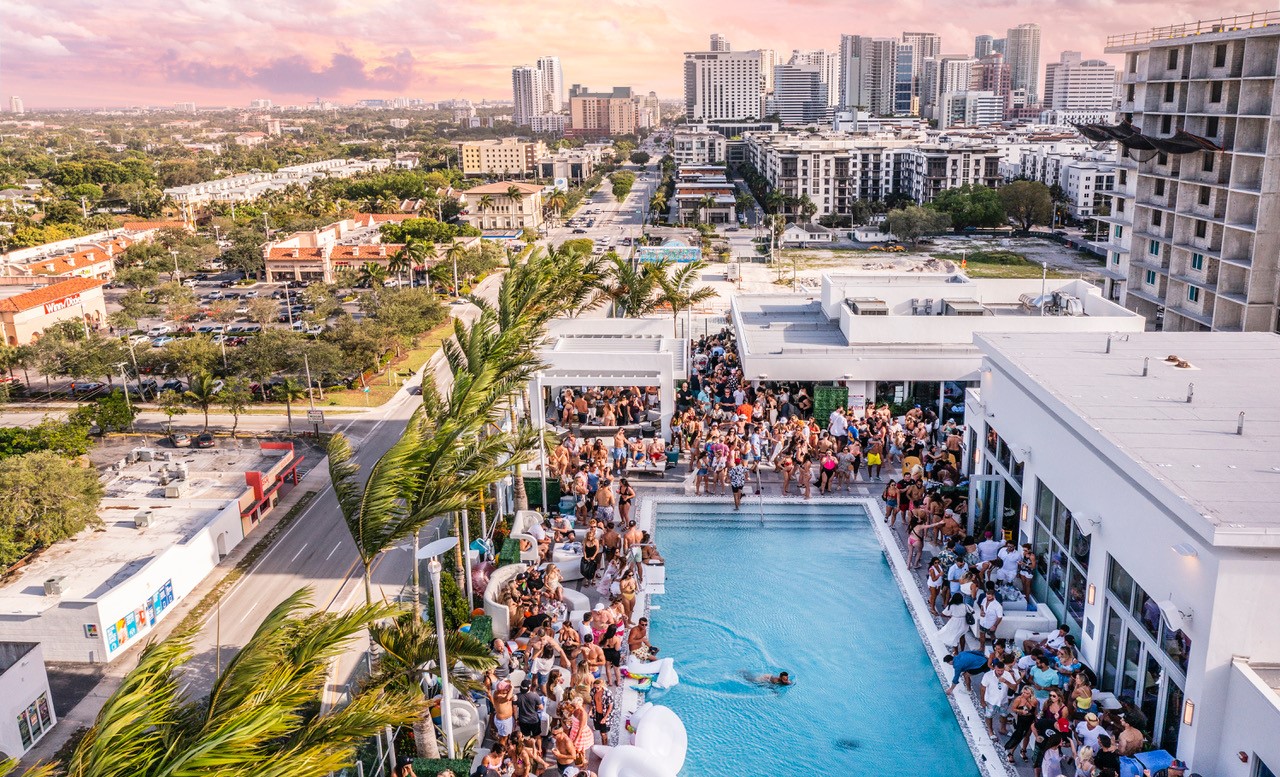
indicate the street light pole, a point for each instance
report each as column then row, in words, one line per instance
column 124, row 384
column 177, row 274
column 434, row 550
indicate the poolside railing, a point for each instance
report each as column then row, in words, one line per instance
column 1202, row 27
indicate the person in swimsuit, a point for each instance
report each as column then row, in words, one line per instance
column 626, row 495
column 782, row 678
column 611, row 645
column 915, row 542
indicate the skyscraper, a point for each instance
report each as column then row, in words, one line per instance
column 551, row 84
column 868, row 73
column 16, row 106
column 723, row 85
column 923, row 45
column 800, row 94
column 718, row 42
column 828, row 64
column 1022, row 52
column 1073, row 84
column 904, row 81
column 526, row 94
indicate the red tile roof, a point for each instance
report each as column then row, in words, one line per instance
column 61, row 265
column 143, row 226
column 46, row 294
column 364, row 252
column 296, row 254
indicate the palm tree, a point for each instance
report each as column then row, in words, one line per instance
column 706, row 203
column 290, row 390
column 516, row 195
column 557, row 201
column 631, row 289
column 203, row 392
column 408, row 649
column 676, row 289
column 399, row 262
column 418, row 253
column 658, row 203
column 458, row 252
column 375, row 511
column 262, row 716
column 373, row 274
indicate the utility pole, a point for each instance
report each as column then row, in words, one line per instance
column 84, row 208
column 124, row 384
column 177, row 274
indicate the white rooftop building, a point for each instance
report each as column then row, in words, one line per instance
column 166, row 524
column 1143, row 470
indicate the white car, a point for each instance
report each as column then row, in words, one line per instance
column 159, row 329
column 138, row 339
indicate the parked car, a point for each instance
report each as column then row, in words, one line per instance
column 205, row 441
column 579, row 231
column 159, row 329
column 180, row 440
column 86, row 389
column 250, row 294
column 173, row 385
column 162, row 341
column 214, row 295
column 138, row 339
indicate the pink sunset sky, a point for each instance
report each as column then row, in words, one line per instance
column 83, row 53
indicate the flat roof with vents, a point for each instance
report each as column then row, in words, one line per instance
column 1191, row 448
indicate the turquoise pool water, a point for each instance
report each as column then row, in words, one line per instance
column 810, row 593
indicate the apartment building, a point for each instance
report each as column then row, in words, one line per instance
column 942, row 75
column 698, row 147
column 1196, row 210
column 1022, row 52
column 924, row 45
column 602, row 114
column 970, row 109
column 500, row 157
column 869, row 74
column 799, row 95
column 723, row 86
column 1074, row 84
column 834, row 169
column 504, row 206
column 926, row 170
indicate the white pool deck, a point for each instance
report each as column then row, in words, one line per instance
column 989, row 757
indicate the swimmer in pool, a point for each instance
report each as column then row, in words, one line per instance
column 781, row 678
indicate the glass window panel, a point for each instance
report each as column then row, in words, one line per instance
column 1149, row 690
column 1146, row 611
column 1172, row 718
column 1044, row 505
column 1057, row 574
column 1061, row 523
column 1076, row 582
column 1120, row 585
column 1176, row 645
column 1111, row 651
column 1002, row 454
column 1017, row 471
column 1079, row 547
column 1132, row 659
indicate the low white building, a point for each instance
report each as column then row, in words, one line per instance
column 698, row 147
column 1142, row 470
column 619, row 352
column 26, row 703
column 165, row 526
column 902, row 329
column 803, row 235
column 971, row 109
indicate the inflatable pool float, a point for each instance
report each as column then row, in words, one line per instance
column 661, row 744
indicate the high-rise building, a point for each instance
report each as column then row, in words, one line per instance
column 601, row 114
column 904, row 82
column 526, row 93
column 723, row 85
column 947, row 74
column 1073, row 84
column 1000, row 46
column 15, row 105
column 800, row 94
column 991, row 74
column 551, row 84
column 983, row 45
column 923, row 45
column 868, row 74
column 718, row 43
column 828, row 63
column 1022, row 52
column 1195, row 217
column 971, row 108
column 768, row 61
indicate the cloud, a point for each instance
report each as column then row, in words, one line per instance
column 297, row 75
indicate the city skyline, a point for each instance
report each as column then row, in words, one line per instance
column 71, row 54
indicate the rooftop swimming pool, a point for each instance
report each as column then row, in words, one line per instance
column 806, row 590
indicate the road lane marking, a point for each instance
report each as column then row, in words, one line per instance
column 335, row 550
column 299, row 553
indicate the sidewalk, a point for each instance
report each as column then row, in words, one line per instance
column 84, row 713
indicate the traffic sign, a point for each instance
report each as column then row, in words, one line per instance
column 315, row 416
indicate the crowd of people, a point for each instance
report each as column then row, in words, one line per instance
column 552, row 694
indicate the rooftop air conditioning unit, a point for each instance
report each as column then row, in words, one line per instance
column 143, row 518
column 53, row 585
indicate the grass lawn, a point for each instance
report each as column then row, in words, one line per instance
column 380, row 391
column 1001, row 264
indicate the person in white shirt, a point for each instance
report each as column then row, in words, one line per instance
column 1009, row 557
column 994, row 692
column 839, row 427
column 1088, row 730
column 991, row 612
column 989, row 548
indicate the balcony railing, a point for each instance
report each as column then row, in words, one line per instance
column 1202, row 27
